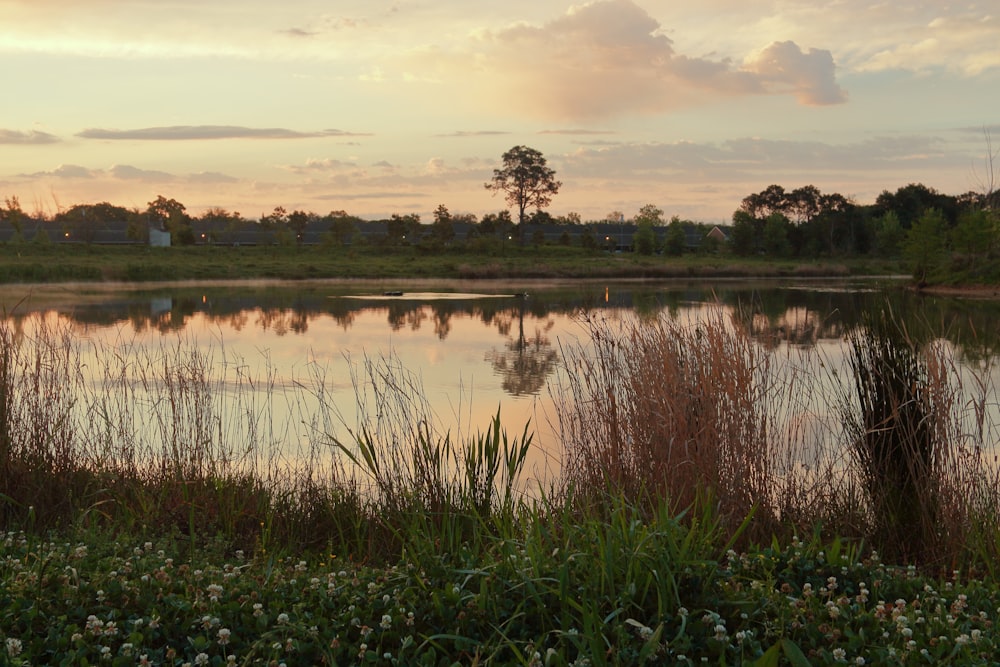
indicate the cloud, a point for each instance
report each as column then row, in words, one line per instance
column 34, row 137
column 316, row 166
column 741, row 157
column 357, row 196
column 69, row 171
column 577, row 132
column 207, row 132
column 610, row 57
column 211, row 177
column 982, row 130
column 960, row 39
column 298, row 33
column 477, row 133
column 129, row 173
column 809, row 76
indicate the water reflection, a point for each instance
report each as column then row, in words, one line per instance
column 521, row 333
column 524, row 362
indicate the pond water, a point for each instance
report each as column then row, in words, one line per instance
column 471, row 348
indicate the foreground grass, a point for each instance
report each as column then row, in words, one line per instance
column 89, row 263
column 623, row 592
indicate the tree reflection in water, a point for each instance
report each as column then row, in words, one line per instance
column 517, row 339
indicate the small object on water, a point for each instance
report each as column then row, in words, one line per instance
column 392, row 293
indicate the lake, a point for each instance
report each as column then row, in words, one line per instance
column 290, row 365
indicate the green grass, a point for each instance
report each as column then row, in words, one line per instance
column 621, row 592
column 90, row 263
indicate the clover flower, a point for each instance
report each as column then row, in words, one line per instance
column 282, row 618
column 14, row 647
column 224, row 635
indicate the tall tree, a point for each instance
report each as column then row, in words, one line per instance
column 443, row 227
column 525, row 179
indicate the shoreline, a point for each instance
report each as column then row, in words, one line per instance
column 958, row 291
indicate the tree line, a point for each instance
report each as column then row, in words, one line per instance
column 936, row 233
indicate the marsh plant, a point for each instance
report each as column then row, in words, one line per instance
column 664, row 410
column 652, row 411
column 924, row 460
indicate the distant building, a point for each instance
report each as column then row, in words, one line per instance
column 159, row 238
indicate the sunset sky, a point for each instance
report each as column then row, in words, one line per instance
column 396, row 106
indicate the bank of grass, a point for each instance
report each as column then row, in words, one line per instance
column 92, row 263
column 153, row 513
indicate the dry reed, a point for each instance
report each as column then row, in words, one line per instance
column 664, row 409
column 891, row 449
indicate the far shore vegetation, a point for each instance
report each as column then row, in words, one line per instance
column 940, row 240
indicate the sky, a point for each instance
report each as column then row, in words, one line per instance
column 377, row 107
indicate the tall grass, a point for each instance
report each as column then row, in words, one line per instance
column 921, row 446
column 670, row 410
column 890, row 447
column 660, row 418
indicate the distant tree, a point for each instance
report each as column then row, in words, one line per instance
column 403, row 228
column 771, row 199
column 888, row 235
column 649, row 213
column 443, row 227
column 495, row 223
column 911, row 201
column 342, row 227
column 644, row 239
column 974, row 237
column 13, row 214
column 571, row 218
column 525, row 179
column 83, row 221
column 744, row 236
column 540, row 217
column 217, row 224
column 676, row 239
column 775, row 236
column 298, row 222
column 274, row 220
column 171, row 216
column 924, row 247
column 801, row 204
